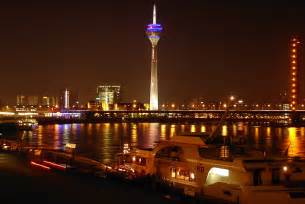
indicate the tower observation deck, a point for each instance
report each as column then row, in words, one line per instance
column 153, row 32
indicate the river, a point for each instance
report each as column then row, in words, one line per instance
column 102, row 141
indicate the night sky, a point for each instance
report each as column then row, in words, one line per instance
column 208, row 49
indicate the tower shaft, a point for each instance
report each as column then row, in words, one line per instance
column 154, row 80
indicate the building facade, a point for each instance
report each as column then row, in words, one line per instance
column 108, row 95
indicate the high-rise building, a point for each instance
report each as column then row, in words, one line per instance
column 108, row 95
column 67, row 99
column 153, row 32
column 37, row 101
column 294, row 72
column 33, row 100
column 50, row 101
column 21, row 100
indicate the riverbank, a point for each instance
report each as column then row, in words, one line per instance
column 21, row 183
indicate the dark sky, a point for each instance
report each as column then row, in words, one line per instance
column 208, row 49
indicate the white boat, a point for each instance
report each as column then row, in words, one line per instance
column 27, row 124
column 187, row 163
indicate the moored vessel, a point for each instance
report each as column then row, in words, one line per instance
column 232, row 173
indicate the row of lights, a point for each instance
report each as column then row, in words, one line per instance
column 294, row 73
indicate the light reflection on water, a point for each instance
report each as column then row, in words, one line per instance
column 102, row 141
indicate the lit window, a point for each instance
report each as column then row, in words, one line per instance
column 192, row 176
column 216, row 175
column 173, row 172
column 219, row 171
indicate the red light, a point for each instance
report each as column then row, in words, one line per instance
column 40, row 165
column 52, row 164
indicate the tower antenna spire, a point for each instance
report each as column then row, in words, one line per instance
column 154, row 15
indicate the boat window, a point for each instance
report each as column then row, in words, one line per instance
column 216, row 175
column 172, row 152
column 182, row 174
column 137, row 160
column 142, row 161
column 275, row 176
column 257, row 177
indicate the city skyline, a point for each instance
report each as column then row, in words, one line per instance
column 208, row 50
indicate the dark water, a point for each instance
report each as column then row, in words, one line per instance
column 102, row 141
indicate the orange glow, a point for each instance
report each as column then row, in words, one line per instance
column 294, row 147
column 193, row 128
column 293, row 62
column 293, row 45
column 293, row 50
column 293, row 56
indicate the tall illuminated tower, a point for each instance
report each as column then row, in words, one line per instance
column 67, row 99
column 153, row 32
column 294, row 52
